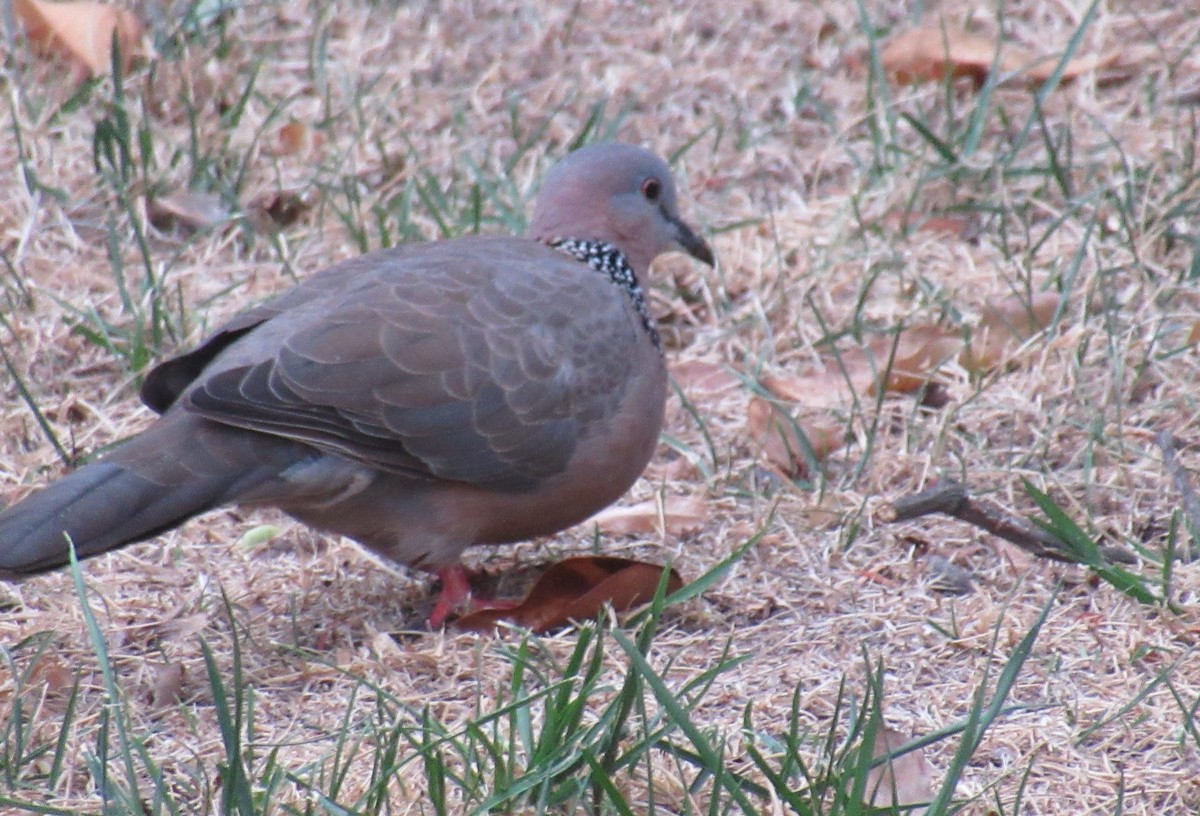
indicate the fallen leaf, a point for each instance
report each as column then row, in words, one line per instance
column 785, row 443
column 1189, row 97
column 293, row 138
column 918, row 352
column 385, row 646
column 280, row 208
column 909, row 360
column 703, row 376
column 1004, row 326
column 168, row 685
column 258, row 536
column 576, row 589
column 804, row 390
column 1193, row 335
column 930, row 54
column 82, row 30
column 901, row 781
column 183, row 628
column 296, row 138
column 953, row 226
column 186, row 210
column 678, row 515
column 52, row 673
column 1023, row 318
column 948, row 577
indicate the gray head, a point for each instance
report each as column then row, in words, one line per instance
column 618, row 193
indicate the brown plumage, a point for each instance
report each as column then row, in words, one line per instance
column 419, row 400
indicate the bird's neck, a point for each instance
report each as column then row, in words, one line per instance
column 609, row 261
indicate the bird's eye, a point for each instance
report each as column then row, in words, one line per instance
column 651, row 188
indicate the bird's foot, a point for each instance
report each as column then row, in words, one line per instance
column 457, row 597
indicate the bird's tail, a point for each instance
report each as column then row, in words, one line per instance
column 181, row 466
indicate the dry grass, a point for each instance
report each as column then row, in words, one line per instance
column 787, row 136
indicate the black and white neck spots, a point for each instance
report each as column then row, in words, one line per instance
column 607, row 259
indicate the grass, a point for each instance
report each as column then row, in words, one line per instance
column 554, row 736
column 223, row 670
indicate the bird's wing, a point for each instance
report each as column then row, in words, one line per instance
column 477, row 361
column 167, row 381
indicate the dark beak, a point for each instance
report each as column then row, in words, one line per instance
column 691, row 243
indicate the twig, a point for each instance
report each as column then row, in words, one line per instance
column 1182, row 482
column 953, row 499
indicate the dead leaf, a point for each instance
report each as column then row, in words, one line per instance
column 858, row 372
column 953, row 226
column 1004, row 326
column 293, row 138
column 1189, row 97
column 792, row 388
column 948, row 577
column 83, row 31
column 902, row 781
column 703, row 377
column 296, row 138
column 1193, row 335
column 280, row 208
column 930, row 54
column 785, row 443
column 575, row 589
column 168, row 685
column 678, row 515
column 52, row 673
column 919, row 352
column 186, row 211
column 183, row 628
column 386, row 647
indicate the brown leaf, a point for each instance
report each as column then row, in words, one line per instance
column 1004, row 326
column 953, row 226
column 576, row 589
column 183, row 628
column 901, row 781
column 280, row 208
column 678, row 515
column 82, row 30
column 949, row 577
column 804, row 390
column 52, row 673
column 1022, row 318
column 168, row 685
column 186, row 211
column 703, row 377
column 919, row 352
column 1193, row 335
column 1044, row 68
column 784, row 442
column 930, row 54
column 294, row 137
column 858, row 372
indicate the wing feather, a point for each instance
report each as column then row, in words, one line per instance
column 483, row 361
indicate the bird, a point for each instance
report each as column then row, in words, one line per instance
column 419, row 400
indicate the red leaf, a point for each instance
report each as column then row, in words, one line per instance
column 576, row 589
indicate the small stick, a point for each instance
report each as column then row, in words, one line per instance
column 1180, row 479
column 953, row 499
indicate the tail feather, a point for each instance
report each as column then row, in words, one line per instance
column 180, row 467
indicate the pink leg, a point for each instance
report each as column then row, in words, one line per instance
column 457, row 597
column 455, row 594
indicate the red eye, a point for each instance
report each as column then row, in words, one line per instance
column 651, row 188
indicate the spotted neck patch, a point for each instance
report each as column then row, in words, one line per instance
column 608, row 260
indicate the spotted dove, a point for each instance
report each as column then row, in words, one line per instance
column 420, row 400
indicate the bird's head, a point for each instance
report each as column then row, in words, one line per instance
column 618, row 193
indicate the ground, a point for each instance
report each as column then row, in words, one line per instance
column 814, row 177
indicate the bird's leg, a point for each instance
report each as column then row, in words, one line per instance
column 457, row 596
